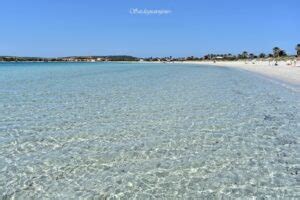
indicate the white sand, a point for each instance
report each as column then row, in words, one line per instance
column 285, row 72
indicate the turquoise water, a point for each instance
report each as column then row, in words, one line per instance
column 119, row 130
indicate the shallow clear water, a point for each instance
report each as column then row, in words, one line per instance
column 101, row 130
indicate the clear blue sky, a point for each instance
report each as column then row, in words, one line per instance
column 105, row 27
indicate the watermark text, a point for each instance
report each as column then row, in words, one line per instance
column 137, row 11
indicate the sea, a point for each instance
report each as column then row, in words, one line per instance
column 146, row 131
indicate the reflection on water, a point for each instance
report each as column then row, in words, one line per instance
column 145, row 131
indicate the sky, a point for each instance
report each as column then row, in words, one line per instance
column 53, row 28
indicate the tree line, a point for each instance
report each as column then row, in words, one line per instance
column 277, row 53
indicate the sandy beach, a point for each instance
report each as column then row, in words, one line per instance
column 283, row 72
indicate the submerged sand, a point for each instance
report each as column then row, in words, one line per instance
column 137, row 131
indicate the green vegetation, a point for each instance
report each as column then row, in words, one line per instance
column 298, row 50
column 262, row 55
column 245, row 55
column 277, row 54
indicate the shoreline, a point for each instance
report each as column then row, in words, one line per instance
column 282, row 73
